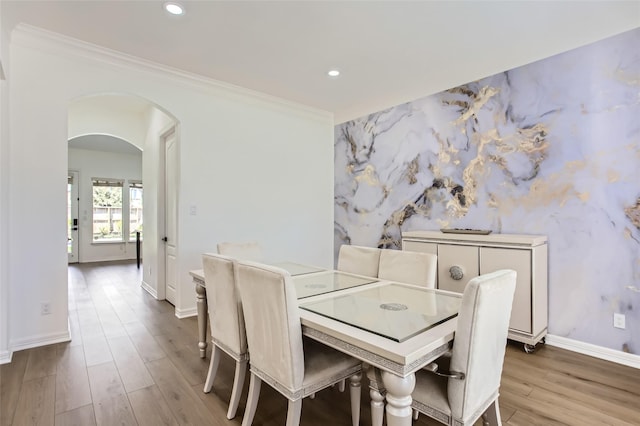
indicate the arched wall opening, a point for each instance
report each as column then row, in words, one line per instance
column 119, row 137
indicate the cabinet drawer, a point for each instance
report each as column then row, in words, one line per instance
column 464, row 257
column 421, row 247
column 493, row 259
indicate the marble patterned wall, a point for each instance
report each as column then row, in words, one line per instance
column 549, row 148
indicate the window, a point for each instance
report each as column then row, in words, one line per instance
column 135, row 209
column 107, row 210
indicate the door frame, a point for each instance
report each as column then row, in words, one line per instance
column 161, row 289
column 74, row 256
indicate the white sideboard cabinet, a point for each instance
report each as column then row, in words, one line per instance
column 462, row 257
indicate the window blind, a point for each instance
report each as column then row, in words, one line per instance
column 117, row 183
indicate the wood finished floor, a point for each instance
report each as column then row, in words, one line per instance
column 132, row 362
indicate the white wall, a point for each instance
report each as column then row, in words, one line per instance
column 90, row 164
column 120, row 115
column 4, row 198
column 253, row 166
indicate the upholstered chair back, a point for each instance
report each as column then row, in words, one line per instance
column 250, row 250
column 359, row 260
column 408, row 267
column 480, row 341
column 223, row 298
column 274, row 333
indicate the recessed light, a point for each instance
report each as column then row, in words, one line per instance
column 333, row 73
column 174, row 8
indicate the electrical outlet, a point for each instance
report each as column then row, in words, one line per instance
column 619, row 321
column 45, row 308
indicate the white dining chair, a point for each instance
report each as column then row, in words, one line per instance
column 293, row 366
column 359, row 260
column 250, row 250
column 470, row 388
column 408, row 267
column 227, row 323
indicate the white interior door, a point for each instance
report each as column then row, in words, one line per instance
column 170, row 208
column 72, row 216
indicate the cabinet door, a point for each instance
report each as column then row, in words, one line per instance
column 493, row 259
column 421, row 247
column 465, row 258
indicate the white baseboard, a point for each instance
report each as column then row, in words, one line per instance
column 595, row 351
column 186, row 313
column 152, row 291
column 41, row 340
column 5, row 357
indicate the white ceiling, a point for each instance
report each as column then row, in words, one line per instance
column 389, row 52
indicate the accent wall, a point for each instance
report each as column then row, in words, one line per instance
column 549, row 148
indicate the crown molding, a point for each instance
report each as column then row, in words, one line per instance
column 51, row 42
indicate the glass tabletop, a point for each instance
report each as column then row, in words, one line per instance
column 325, row 282
column 297, row 268
column 395, row 311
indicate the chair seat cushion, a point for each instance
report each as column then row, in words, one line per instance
column 324, row 366
column 430, row 396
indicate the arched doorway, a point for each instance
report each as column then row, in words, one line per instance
column 124, row 122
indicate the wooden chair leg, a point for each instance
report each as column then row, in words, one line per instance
column 355, row 393
column 252, row 400
column 238, row 384
column 492, row 415
column 377, row 399
column 213, row 368
column 341, row 385
column 416, row 413
column 293, row 413
column 377, row 407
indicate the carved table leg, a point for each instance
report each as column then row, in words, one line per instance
column 398, row 396
column 201, row 306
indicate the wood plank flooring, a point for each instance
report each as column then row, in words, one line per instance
column 132, row 362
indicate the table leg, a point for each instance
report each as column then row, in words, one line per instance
column 201, row 306
column 398, row 396
column 377, row 400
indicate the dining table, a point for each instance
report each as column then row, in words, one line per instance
column 394, row 328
